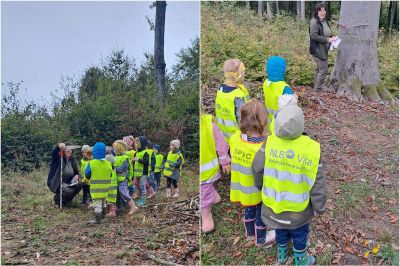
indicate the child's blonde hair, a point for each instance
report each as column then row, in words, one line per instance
column 253, row 117
column 119, row 147
column 234, row 70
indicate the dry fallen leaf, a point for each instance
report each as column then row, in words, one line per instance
column 236, row 240
column 349, row 250
column 237, row 254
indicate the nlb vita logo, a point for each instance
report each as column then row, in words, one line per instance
column 290, row 154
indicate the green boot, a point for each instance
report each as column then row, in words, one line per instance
column 282, row 253
column 301, row 257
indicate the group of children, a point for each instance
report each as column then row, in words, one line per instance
column 275, row 168
column 131, row 169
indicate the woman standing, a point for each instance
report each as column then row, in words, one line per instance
column 320, row 39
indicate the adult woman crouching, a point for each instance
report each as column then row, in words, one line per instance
column 70, row 174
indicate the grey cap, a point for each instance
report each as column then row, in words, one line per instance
column 110, row 158
column 289, row 122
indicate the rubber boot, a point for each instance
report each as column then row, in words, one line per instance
column 282, row 253
column 112, row 211
column 264, row 237
column 176, row 194
column 250, row 232
column 207, row 223
column 141, row 201
column 151, row 192
column 301, row 257
column 132, row 207
column 168, row 191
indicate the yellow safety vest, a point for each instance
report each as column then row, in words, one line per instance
column 159, row 160
column 130, row 154
column 119, row 160
column 150, row 152
column 272, row 91
column 84, row 164
column 209, row 166
column 113, row 188
column 225, row 110
column 138, row 169
column 290, row 171
column 243, row 189
column 101, row 171
column 172, row 158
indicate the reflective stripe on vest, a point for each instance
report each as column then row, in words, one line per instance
column 243, row 189
column 138, row 168
column 171, row 159
column 290, row 171
column 159, row 160
column 209, row 166
column 113, row 188
column 150, row 153
column 225, row 109
column 272, row 91
column 101, row 171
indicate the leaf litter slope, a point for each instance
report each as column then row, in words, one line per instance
column 35, row 232
column 359, row 144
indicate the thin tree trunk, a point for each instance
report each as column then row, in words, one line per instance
column 270, row 16
column 260, row 8
column 302, row 10
column 159, row 48
column 298, row 11
column 248, row 5
column 277, row 7
column 391, row 15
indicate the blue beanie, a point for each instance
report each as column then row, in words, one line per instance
column 275, row 68
column 99, row 151
column 156, row 147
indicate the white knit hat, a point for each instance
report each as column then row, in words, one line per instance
column 176, row 143
column 286, row 99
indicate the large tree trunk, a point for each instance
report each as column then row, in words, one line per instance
column 356, row 73
column 159, row 47
column 270, row 16
column 391, row 15
column 302, row 10
column 260, row 8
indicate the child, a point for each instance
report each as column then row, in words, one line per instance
column 213, row 153
column 130, row 152
column 99, row 171
column 152, row 188
column 141, row 168
column 158, row 165
column 173, row 167
column 244, row 145
column 124, row 170
column 290, row 173
column 275, row 85
column 230, row 97
column 86, row 157
column 112, row 189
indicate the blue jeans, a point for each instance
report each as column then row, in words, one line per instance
column 254, row 212
column 157, row 177
column 298, row 235
column 152, row 181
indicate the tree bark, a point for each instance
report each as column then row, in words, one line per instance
column 248, row 5
column 270, row 16
column 356, row 73
column 302, row 10
column 260, row 8
column 159, row 48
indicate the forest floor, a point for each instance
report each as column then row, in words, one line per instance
column 34, row 231
column 360, row 154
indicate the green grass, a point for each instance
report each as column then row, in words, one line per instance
column 390, row 255
column 354, row 195
column 326, row 257
column 386, row 132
